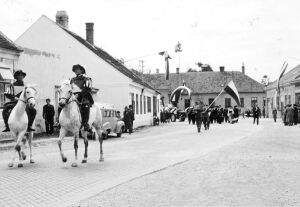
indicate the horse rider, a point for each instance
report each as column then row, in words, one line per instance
column 13, row 93
column 84, row 96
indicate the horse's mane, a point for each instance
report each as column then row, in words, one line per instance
column 65, row 82
column 30, row 85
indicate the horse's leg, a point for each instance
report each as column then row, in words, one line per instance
column 100, row 138
column 30, row 136
column 86, row 144
column 18, row 148
column 62, row 134
column 23, row 146
column 11, row 164
column 74, row 164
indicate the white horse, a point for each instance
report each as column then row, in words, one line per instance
column 18, row 123
column 70, row 121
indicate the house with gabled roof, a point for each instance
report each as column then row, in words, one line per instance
column 289, row 93
column 51, row 49
column 207, row 85
column 9, row 56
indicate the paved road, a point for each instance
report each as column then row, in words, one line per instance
column 262, row 169
column 51, row 183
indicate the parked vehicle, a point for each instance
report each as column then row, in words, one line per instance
column 110, row 120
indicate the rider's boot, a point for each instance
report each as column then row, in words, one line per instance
column 31, row 113
column 85, row 115
column 5, row 115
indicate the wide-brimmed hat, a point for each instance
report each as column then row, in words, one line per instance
column 78, row 66
column 19, row 72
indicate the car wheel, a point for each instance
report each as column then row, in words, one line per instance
column 119, row 134
column 173, row 118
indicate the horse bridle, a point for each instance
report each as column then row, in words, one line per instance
column 26, row 99
column 67, row 99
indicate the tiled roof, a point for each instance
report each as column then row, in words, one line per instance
column 109, row 59
column 289, row 77
column 7, row 43
column 205, row 82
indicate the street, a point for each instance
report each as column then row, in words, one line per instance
column 169, row 165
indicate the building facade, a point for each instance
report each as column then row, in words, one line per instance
column 50, row 51
column 206, row 86
column 289, row 91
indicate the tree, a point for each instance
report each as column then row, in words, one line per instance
column 191, row 70
column 204, row 67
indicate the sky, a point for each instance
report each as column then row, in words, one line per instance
column 262, row 34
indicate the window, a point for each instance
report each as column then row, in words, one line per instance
column 187, row 103
column 242, row 102
column 149, row 104
column 264, row 101
column 141, row 104
column 154, row 105
column 210, row 100
column 253, row 101
column 285, row 99
column 144, row 104
column 132, row 101
column 227, row 102
column 3, row 88
column 137, row 104
column 289, row 99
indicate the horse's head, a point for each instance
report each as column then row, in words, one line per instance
column 29, row 94
column 65, row 93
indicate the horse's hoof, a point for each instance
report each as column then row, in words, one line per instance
column 20, row 165
column 101, row 159
column 31, row 161
column 23, row 155
column 64, row 159
column 74, row 164
column 10, row 164
column 84, row 161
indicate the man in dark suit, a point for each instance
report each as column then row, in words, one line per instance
column 48, row 115
column 256, row 114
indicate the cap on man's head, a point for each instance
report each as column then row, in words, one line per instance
column 48, row 99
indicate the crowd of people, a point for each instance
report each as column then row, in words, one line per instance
column 291, row 114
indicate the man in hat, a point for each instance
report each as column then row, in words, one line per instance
column 13, row 93
column 84, row 96
column 48, row 115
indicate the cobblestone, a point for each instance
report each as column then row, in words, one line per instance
column 49, row 182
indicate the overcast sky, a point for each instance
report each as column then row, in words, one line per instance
column 260, row 33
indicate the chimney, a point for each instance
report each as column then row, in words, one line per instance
column 243, row 68
column 177, row 70
column 90, row 32
column 157, row 71
column 62, row 19
column 222, row 68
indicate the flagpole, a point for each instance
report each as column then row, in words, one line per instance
column 215, row 99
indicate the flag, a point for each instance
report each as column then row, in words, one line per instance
column 233, row 92
column 167, row 57
column 283, row 69
column 175, row 95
